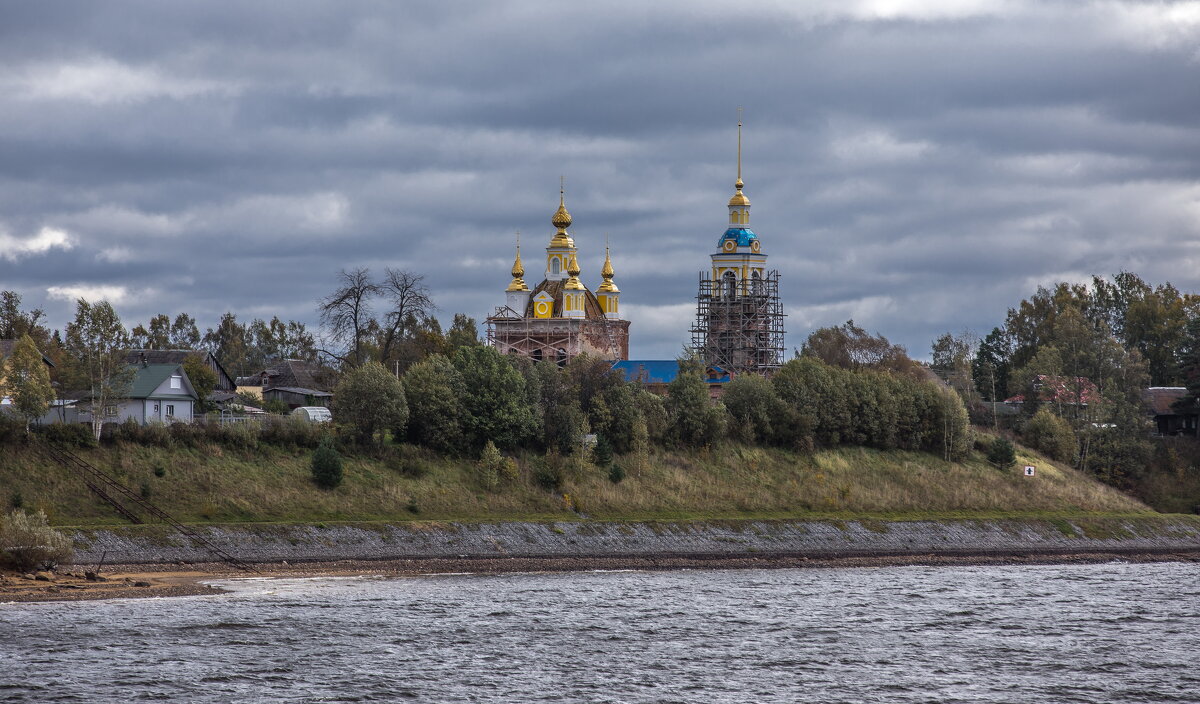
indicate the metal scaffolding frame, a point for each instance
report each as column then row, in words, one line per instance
column 512, row 333
column 740, row 328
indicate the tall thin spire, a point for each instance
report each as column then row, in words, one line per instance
column 739, row 198
column 739, row 160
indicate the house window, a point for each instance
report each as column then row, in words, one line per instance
column 110, row 411
column 176, row 382
column 170, row 410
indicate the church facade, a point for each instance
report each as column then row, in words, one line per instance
column 560, row 317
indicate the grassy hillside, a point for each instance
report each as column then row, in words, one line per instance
column 217, row 484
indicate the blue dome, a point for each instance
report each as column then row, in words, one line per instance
column 743, row 235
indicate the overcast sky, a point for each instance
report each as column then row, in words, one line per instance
column 916, row 166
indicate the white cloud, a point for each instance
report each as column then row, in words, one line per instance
column 115, row 255
column 100, row 81
column 112, row 294
column 15, row 248
column 126, row 221
column 877, row 147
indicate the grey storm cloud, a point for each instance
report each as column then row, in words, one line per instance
column 917, row 166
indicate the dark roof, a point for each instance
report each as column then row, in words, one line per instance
column 6, row 348
column 299, row 390
column 172, row 357
column 296, row 373
column 591, row 306
column 1160, row 398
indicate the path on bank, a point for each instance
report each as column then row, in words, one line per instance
column 716, row 538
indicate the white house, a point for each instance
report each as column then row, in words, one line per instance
column 159, row 393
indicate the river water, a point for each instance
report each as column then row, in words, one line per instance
column 1079, row 633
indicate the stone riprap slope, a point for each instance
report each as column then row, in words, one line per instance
column 816, row 539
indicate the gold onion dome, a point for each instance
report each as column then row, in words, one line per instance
column 573, row 270
column 739, row 198
column 518, row 274
column 561, row 221
column 607, row 274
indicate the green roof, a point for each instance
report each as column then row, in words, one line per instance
column 148, row 378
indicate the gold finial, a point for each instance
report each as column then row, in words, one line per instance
column 573, row 271
column 562, row 218
column 607, row 273
column 739, row 198
column 518, row 270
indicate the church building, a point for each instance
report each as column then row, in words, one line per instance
column 560, row 318
column 739, row 316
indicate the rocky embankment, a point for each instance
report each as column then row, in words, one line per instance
column 718, row 540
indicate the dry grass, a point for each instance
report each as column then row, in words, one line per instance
column 220, row 485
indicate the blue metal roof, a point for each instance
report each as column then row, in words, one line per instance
column 648, row 371
column 661, row 371
column 743, row 235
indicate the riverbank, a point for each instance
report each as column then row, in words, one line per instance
column 154, row 581
column 590, row 540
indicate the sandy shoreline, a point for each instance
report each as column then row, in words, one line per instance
column 142, row 581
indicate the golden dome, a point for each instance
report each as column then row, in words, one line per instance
column 607, row 274
column 573, row 271
column 561, row 219
column 739, row 198
column 518, row 273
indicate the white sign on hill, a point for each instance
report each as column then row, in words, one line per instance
column 1029, row 470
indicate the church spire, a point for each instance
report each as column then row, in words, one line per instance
column 518, row 270
column 606, row 273
column 739, row 198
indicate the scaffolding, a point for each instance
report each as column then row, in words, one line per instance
column 553, row 339
column 739, row 324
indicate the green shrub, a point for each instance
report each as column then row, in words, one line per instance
column 616, row 474
column 16, row 500
column 68, row 435
column 411, row 467
column 27, row 542
column 1050, row 435
column 160, row 471
column 1002, row 454
column 602, row 454
column 548, row 472
column 11, row 428
column 489, row 466
column 326, row 466
column 276, row 407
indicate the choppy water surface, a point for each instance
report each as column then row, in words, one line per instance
column 1095, row 633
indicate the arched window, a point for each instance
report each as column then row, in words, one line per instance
column 554, row 266
column 733, row 217
column 537, row 354
column 756, row 283
column 729, row 285
column 561, row 357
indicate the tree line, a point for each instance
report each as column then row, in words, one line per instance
column 1079, row 356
